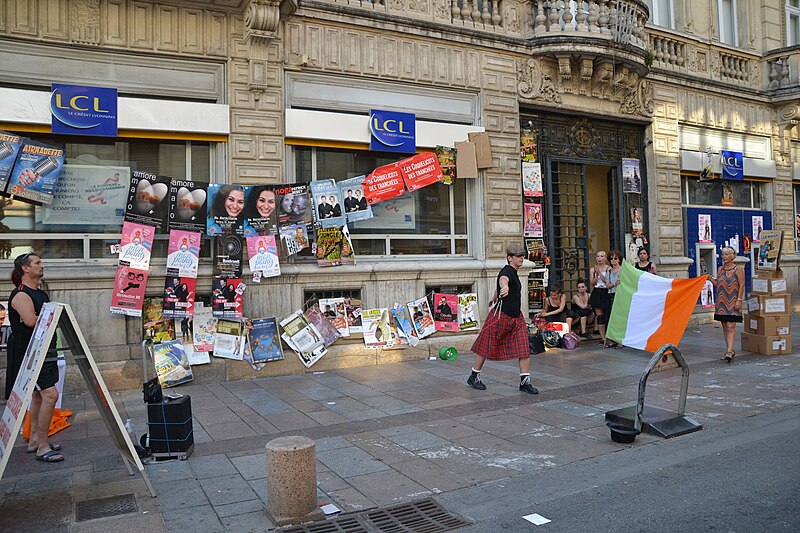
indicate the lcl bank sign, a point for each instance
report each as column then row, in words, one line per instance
column 392, row 132
column 79, row 110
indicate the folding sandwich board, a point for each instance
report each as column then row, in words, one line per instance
column 52, row 315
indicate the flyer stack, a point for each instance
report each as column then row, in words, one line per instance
column 769, row 307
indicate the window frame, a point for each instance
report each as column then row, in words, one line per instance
column 735, row 23
column 686, row 178
column 792, row 12
column 386, row 237
column 655, row 13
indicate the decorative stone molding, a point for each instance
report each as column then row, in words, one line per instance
column 85, row 21
column 262, row 21
column 639, row 101
column 788, row 120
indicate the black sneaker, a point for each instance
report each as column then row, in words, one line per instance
column 475, row 382
column 585, row 335
column 530, row 389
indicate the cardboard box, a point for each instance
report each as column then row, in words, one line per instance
column 466, row 163
column 762, row 285
column 768, row 325
column 766, row 344
column 763, row 305
column 770, row 274
column 483, row 148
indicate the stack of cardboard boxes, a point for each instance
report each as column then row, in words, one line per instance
column 768, row 311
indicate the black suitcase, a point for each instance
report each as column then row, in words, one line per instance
column 169, row 425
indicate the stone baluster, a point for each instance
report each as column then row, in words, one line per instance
column 612, row 16
column 774, row 75
column 671, row 52
column 681, row 51
column 658, row 47
column 497, row 18
column 580, row 18
column 455, row 11
column 540, row 22
column 603, row 20
column 486, row 17
column 553, row 25
column 476, row 11
column 593, row 16
column 567, row 17
column 466, row 9
column 784, row 71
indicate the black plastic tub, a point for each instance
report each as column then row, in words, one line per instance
column 622, row 434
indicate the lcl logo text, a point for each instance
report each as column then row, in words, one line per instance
column 388, row 125
column 76, row 103
column 731, row 161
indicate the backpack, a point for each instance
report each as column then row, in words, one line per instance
column 536, row 343
column 570, row 341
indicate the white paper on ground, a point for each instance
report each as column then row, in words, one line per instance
column 329, row 509
column 536, row 519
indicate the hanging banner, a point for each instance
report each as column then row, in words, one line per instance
column 631, row 177
column 136, row 245
column 36, row 172
column 183, row 254
column 129, row 288
column 179, row 294
column 532, row 179
column 355, row 205
column 227, row 297
column 263, row 253
column 187, row 205
column 383, row 183
column 148, row 200
column 732, row 164
column 327, row 201
column 10, row 145
column 533, row 226
column 420, row 171
column 260, row 213
column 225, row 210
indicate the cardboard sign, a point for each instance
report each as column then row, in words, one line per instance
column 466, row 160
column 384, row 183
column 483, row 148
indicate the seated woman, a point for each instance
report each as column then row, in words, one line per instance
column 555, row 306
column 581, row 310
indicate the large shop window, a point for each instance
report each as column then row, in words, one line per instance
column 86, row 215
column 429, row 221
column 792, row 22
column 726, row 193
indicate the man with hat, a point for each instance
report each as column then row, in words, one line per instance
column 505, row 335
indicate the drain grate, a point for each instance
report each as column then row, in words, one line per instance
column 104, row 507
column 423, row 516
column 107, row 463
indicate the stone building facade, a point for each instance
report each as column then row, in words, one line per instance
column 596, row 81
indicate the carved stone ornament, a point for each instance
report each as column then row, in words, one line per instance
column 261, row 19
column 530, row 78
column 441, row 9
column 639, row 101
column 583, row 138
column 85, row 21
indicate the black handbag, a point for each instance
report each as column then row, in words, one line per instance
column 151, row 390
column 536, row 343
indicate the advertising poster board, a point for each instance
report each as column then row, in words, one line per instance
column 263, row 254
column 327, row 203
column 264, row 340
column 148, row 200
column 404, row 330
column 260, row 211
column 328, row 332
column 130, row 286
column 355, row 205
column 156, row 327
column 769, row 249
column 227, row 297
column 36, row 172
column 421, row 170
column 421, row 317
column 187, row 205
column 332, row 249
column 88, row 195
column 383, row 183
column 183, row 253
column 631, row 176
column 225, row 210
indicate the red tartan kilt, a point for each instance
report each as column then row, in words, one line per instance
column 502, row 338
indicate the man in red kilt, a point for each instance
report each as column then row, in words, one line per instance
column 504, row 334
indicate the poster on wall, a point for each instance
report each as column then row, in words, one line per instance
column 704, row 228
column 264, row 340
column 533, row 220
column 537, row 252
column 88, row 195
column 148, row 200
column 631, row 176
column 294, row 238
column 204, row 326
column 445, row 312
column 294, row 205
column 707, row 295
column 227, row 297
column 332, row 249
column 447, row 162
column 136, row 245
column 327, row 203
column 353, row 308
column 263, row 254
column 129, row 287
column 420, row 171
column 179, row 294
column 637, row 224
column 229, row 339
column 727, row 194
column 187, row 205
column 225, row 210
column 36, row 172
column 468, row 312
column 769, row 249
column 228, row 254
column 377, row 331
column 421, row 317
column 758, row 225
column 355, row 205
column 334, row 310
column 797, row 225
column 383, row 183
column 260, row 211
column 183, row 253
column 532, row 179
column 10, row 145
column 528, row 146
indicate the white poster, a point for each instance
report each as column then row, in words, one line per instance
column 758, row 225
column 89, row 195
column 704, row 228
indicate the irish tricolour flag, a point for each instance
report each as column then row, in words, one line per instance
column 650, row 311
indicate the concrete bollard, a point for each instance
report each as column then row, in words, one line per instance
column 292, row 481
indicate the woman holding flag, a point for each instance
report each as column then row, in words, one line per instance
column 730, row 292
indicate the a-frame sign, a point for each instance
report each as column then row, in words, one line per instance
column 60, row 315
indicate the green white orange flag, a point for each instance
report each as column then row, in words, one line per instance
column 650, row 311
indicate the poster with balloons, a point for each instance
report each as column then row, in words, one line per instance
column 187, row 205
column 147, row 200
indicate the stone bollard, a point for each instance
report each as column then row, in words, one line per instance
column 292, row 481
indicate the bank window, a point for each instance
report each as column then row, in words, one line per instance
column 429, row 221
column 661, row 13
column 792, row 22
column 727, row 22
column 87, row 212
column 726, row 193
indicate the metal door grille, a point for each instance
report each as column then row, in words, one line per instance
column 567, row 221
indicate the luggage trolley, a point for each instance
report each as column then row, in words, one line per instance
column 169, row 422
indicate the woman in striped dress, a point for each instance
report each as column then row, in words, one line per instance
column 730, row 291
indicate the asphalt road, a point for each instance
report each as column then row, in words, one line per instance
column 739, row 477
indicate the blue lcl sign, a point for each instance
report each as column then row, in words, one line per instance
column 79, row 110
column 392, row 132
column 732, row 165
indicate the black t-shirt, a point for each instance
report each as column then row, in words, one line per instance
column 512, row 303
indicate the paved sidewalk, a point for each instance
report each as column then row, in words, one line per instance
column 384, row 434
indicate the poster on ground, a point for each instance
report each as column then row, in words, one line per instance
column 445, row 312
column 376, row 328
column 264, row 340
column 171, row 364
column 421, row 317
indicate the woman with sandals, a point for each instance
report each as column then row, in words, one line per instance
column 730, row 291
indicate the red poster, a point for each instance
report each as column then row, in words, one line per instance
column 179, row 295
column 129, row 289
column 421, row 170
column 227, row 297
column 445, row 309
column 384, row 183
